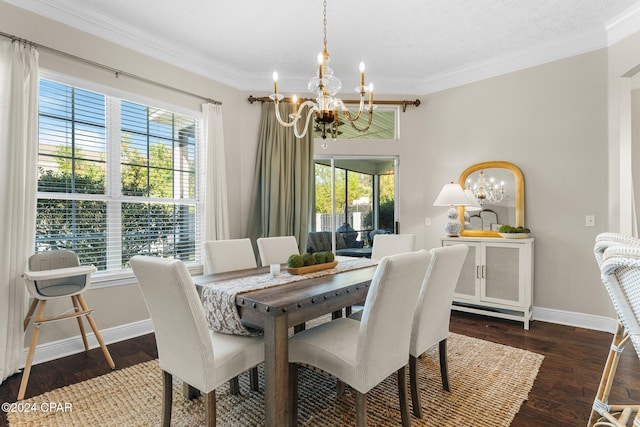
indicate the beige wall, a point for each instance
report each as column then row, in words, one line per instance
column 550, row 120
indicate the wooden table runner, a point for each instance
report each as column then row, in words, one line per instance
column 219, row 298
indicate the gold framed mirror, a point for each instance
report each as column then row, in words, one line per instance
column 498, row 188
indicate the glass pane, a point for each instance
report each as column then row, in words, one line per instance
column 71, row 139
column 383, row 125
column 77, row 225
column 164, row 230
column 364, row 201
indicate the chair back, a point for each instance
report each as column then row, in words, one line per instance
column 177, row 314
column 621, row 277
column 64, row 286
column 431, row 318
column 276, row 250
column 392, row 244
column 385, row 328
column 604, row 240
column 229, row 255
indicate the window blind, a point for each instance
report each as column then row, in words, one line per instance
column 116, row 178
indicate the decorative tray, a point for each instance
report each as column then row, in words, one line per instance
column 515, row 235
column 312, row 268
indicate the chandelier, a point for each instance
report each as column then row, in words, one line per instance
column 486, row 191
column 326, row 106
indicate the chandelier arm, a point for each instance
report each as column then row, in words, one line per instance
column 306, row 122
column 296, row 115
column 283, row 123
column 347, row 114
column 353, row 124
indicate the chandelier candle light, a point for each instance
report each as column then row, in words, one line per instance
column 327, row 105
column 484, row 191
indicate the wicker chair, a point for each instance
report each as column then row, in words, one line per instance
column 620, row 268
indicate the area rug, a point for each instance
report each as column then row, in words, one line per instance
column 488, row 383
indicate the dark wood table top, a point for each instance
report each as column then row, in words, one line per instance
column 301, row 300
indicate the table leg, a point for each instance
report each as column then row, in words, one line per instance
column 276, row 371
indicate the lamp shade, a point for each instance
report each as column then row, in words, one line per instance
column 452, row 195
column 473, row 202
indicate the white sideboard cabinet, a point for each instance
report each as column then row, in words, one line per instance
column 497, row 277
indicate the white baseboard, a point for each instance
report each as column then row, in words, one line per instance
column 68, row 346
column 580, row 320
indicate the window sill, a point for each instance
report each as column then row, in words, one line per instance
column 126, row 277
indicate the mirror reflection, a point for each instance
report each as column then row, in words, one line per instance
column 496, row 192
column 493, row 193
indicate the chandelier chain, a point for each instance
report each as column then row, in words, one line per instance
column 324, row 22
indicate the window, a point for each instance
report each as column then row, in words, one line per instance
column 383, row 125
column 116, row 178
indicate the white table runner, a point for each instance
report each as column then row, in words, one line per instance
column 219, row 298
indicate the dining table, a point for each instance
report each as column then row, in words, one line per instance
column 276, row 309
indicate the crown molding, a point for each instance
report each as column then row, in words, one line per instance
column 108, row 28
column 515, row 61
column 115, row 31
column 623, row 25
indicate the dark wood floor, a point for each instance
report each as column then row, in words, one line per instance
column 561, row 396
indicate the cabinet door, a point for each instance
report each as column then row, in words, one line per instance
column 502, row 282
column 468, row 287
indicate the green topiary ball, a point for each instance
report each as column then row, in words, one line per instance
column 329, row 257
column 295, row 261
column 320, row 257
column 308, row 259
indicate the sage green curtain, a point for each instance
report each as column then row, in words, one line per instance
column 284, row 181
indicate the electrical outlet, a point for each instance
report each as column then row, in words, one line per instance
column 590, row 221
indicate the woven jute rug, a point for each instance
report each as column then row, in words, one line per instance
column 488, row 383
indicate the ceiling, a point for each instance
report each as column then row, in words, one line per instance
column 409, row 47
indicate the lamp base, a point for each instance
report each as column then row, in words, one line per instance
column 453, row 226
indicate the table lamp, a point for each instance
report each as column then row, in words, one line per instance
column 452, row 195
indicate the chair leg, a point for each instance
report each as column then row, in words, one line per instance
column 189, row 392
column 167, row 398
column 96, row 332
column 608, row 373
column 77, row 307
column 210, row 409
column 413, row 381
column 32, row 308
column 234, row 386
column 293, row 394
column 402, row 396
column 253, row 379
column 444, row 369
column 32, row 350
column 339, row 387
column 361, row 409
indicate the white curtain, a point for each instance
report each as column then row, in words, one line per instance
column 18, row 182
column 216, row 204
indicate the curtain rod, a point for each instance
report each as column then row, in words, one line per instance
column 117, row 72
column 404, row 103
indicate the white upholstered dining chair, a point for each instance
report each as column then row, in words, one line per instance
column 229, row 255
column 187, row 348
column 276, row 250
column 362, row 354
column 433, row 312
column 392, row 244
column 52, row 275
